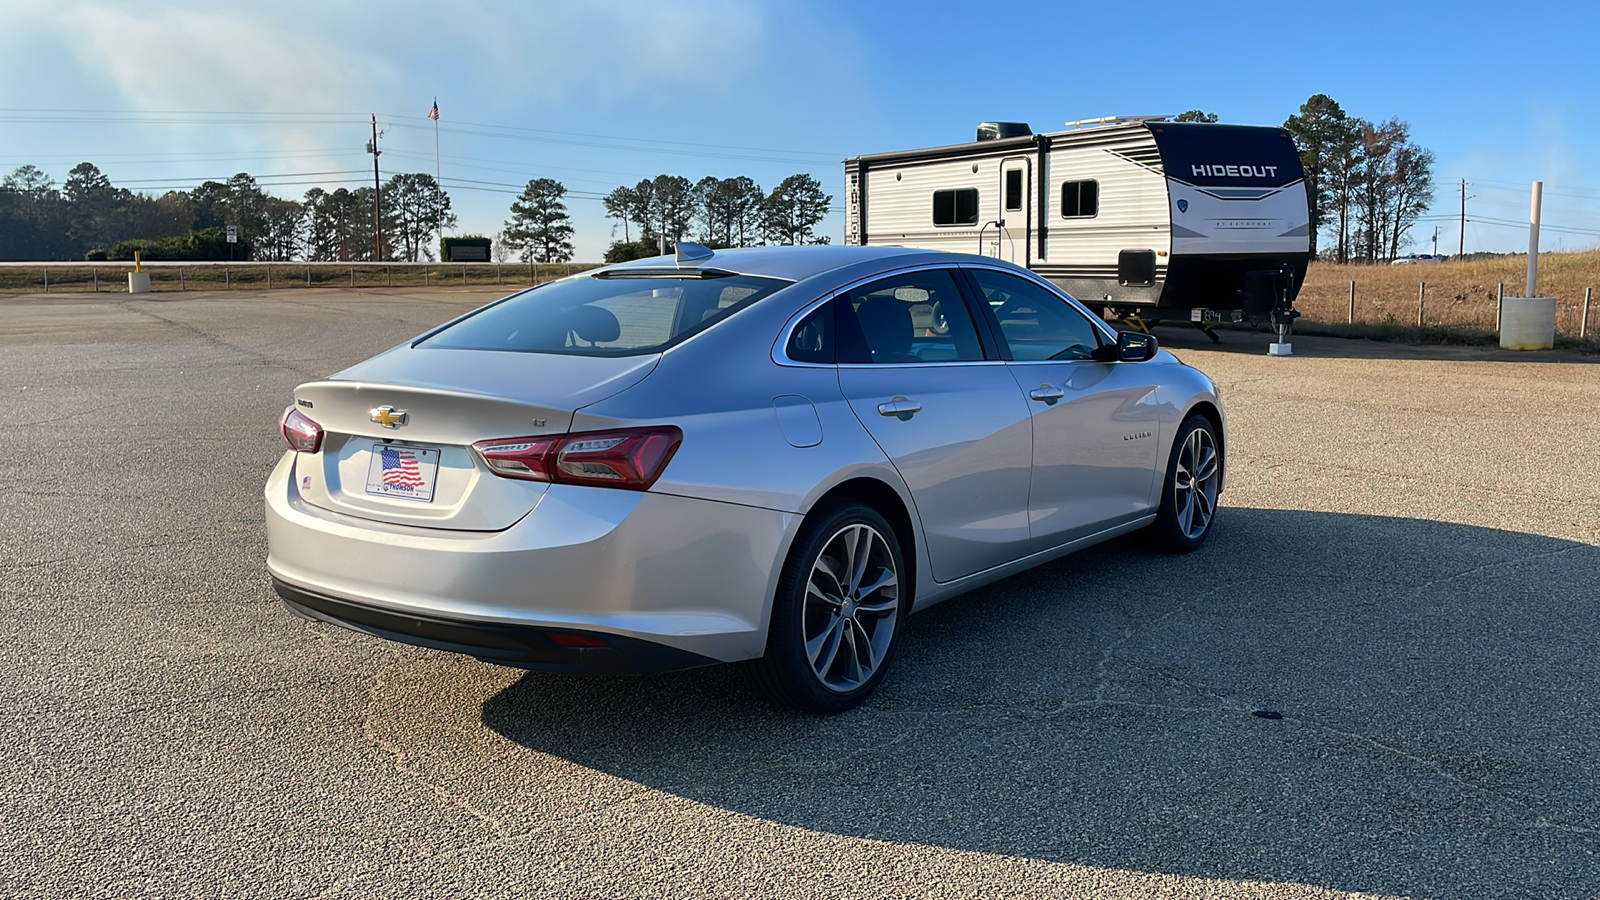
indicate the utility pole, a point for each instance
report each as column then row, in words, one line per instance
column 377, row 195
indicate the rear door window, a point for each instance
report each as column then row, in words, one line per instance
column 917, row 317
column 614, row 316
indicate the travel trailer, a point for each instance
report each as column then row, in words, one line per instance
column 1143, row 217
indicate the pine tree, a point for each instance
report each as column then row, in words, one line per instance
column 539, row 226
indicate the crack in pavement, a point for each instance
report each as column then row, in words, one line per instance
column 369, row 730
column 213, row 339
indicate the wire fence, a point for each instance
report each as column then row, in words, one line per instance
column 31, row 278
column 1459, row 300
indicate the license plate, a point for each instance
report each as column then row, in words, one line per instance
column 406, row 472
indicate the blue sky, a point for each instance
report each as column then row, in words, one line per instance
column 164, row 94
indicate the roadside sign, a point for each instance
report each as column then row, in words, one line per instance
column 233, row 234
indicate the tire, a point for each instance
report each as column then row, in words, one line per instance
column 1189, row 490
column 834, row 625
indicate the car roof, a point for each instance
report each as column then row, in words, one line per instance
column 792, row 263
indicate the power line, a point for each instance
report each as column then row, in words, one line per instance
column 258, row 178
column 633, row 149
column 831, row 157
column 508, row 132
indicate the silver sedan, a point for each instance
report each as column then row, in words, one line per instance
column 771, row 455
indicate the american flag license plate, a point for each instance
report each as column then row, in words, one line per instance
column 407, row 472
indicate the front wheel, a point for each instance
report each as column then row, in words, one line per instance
column 1189, row 491
column 836, row 613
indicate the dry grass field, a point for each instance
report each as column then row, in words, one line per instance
column 1458, row 304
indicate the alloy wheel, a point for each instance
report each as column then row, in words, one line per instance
column 1194, row 483
column 852, row 605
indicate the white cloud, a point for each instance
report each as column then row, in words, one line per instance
column 745, row 73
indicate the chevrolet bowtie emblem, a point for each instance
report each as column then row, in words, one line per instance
column 388, row 416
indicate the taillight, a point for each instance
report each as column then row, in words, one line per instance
column 523, row 458
column 630, row 458
column 301, row 433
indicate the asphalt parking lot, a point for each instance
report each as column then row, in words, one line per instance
column 1406, row 569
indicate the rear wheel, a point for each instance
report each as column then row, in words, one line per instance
column 1189, row 491
column 836, row 614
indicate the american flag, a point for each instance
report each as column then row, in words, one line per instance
column 400, row 468
column 434, row 113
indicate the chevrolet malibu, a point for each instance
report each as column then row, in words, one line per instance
column 768, row 455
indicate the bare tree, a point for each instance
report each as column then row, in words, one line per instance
column 1411, row 183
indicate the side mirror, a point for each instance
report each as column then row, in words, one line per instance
column 1131, row 346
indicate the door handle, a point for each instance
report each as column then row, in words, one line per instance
column 900, row 408
column 1047, row 393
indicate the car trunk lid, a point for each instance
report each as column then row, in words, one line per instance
column 399, row 429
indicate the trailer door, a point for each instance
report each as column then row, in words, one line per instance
column 1016, row 210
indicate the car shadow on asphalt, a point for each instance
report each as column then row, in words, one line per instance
column 1353, row 702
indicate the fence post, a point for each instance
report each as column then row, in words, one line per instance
column 388, row 275
column 269, row 278
column 180, row 279
column 352, row 276
column 227, row 277
column 308, row 276
column 425, row 274
column 1422, row 290
column 1352, row 302
column 96, row 280
column 496, row 273
column 47, row 281
column 1583, row 324
column 1499, row 302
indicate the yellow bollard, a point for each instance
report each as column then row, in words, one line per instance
column 138, row 279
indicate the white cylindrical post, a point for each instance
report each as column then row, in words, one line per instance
column 1352, row 316
column 1529, row 322
column 1583, row 324
column 1533, row 240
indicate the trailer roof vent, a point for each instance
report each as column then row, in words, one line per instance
column 994, row 131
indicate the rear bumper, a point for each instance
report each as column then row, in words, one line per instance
column 694, row 578
column 522, row 646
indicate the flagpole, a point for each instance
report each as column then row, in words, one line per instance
column 438, row 179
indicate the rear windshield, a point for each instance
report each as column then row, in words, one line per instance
column 615, row 316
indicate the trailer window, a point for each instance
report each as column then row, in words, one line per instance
column 1080, row 199
column 957, row 207
column 1013, row 190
